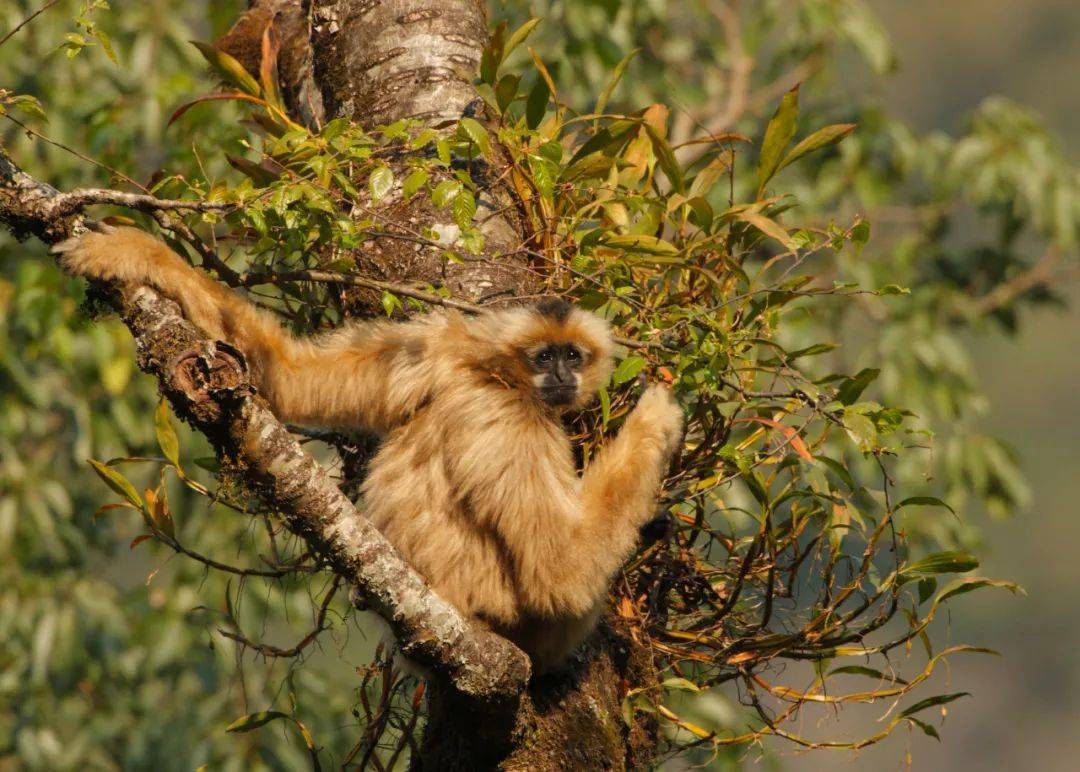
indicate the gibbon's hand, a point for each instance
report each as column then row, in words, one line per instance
column 658, row 415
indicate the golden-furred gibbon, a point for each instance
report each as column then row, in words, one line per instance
column 474, row 481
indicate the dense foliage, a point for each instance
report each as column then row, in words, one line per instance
column 728, row 237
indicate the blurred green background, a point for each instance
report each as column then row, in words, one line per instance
column 109, row 657
column 1025, row 708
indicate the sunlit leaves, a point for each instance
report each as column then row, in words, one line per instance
column 166, row 435
column 852, row 388
column 821, row 138
column 536, row 103
column 381, row 182
column 472, row 129
column 627, row 370
column 229, row 68
column 117, row 482
column 778, row 134
column 948, row 562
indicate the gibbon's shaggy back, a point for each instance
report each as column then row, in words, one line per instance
column 474, row 481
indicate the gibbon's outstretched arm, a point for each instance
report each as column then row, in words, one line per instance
column 369, row 376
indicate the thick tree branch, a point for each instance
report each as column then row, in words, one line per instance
column 207, row 383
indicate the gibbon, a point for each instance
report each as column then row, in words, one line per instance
column 474, row 481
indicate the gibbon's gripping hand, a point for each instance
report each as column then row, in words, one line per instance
column 657, row 417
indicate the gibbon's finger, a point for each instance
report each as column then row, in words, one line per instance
column 68, row 244
column 100, row 226
column 65, row 246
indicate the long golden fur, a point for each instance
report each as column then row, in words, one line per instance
column 475, row 481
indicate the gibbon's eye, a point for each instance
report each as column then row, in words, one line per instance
column 572, row 354
column 544, row 357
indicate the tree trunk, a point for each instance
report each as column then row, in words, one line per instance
column 568, row 721
column 377, row 61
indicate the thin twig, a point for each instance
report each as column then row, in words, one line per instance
column 27, row 20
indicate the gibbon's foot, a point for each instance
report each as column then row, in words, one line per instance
column 657, row 413
column 110, row 253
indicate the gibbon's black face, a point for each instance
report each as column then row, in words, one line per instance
column 556, row 367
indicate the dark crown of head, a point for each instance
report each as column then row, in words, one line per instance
column 554, row 308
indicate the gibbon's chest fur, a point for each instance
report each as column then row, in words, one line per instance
column 446, row 486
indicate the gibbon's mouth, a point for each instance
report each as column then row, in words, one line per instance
column 558, row 395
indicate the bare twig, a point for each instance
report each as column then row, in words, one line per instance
column 27, row 20
column 82, row 197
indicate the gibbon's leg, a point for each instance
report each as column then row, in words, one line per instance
column 371, row 376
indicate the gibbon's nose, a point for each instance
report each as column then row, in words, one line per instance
column 562, row 373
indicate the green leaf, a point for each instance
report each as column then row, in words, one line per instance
column 869, row 672
column 492, row 55
column 852, row 388
column 381, row 182
column 862, row 27
column 829, row 135
column 445, row 192
column 666, row 158
column 627, row 370
column 924, row 501
column 166, row 435
column 464, row 208
column 839, row 470
column 506, row 90
column 640, row 242
column 414, row 182
column 117, row 482
column 778, row 134
column 390, row 303
column 927, row 729
column 229, row 68
column 536, row 103
column 894, row 289
column 948, row 562
column 476, row 133
column 701, row 212
column 929, row 702
column 27, row 104
column 811, row 351
column 768, row 226
column 106, row 46
column 927, row 587
column 708, row 177
column 517, row 37
column 861, row 430
column 681, row 684
column 968, row 583
column 255, row 720
column 605, row 406
column 613, row 81
column 209, row 463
